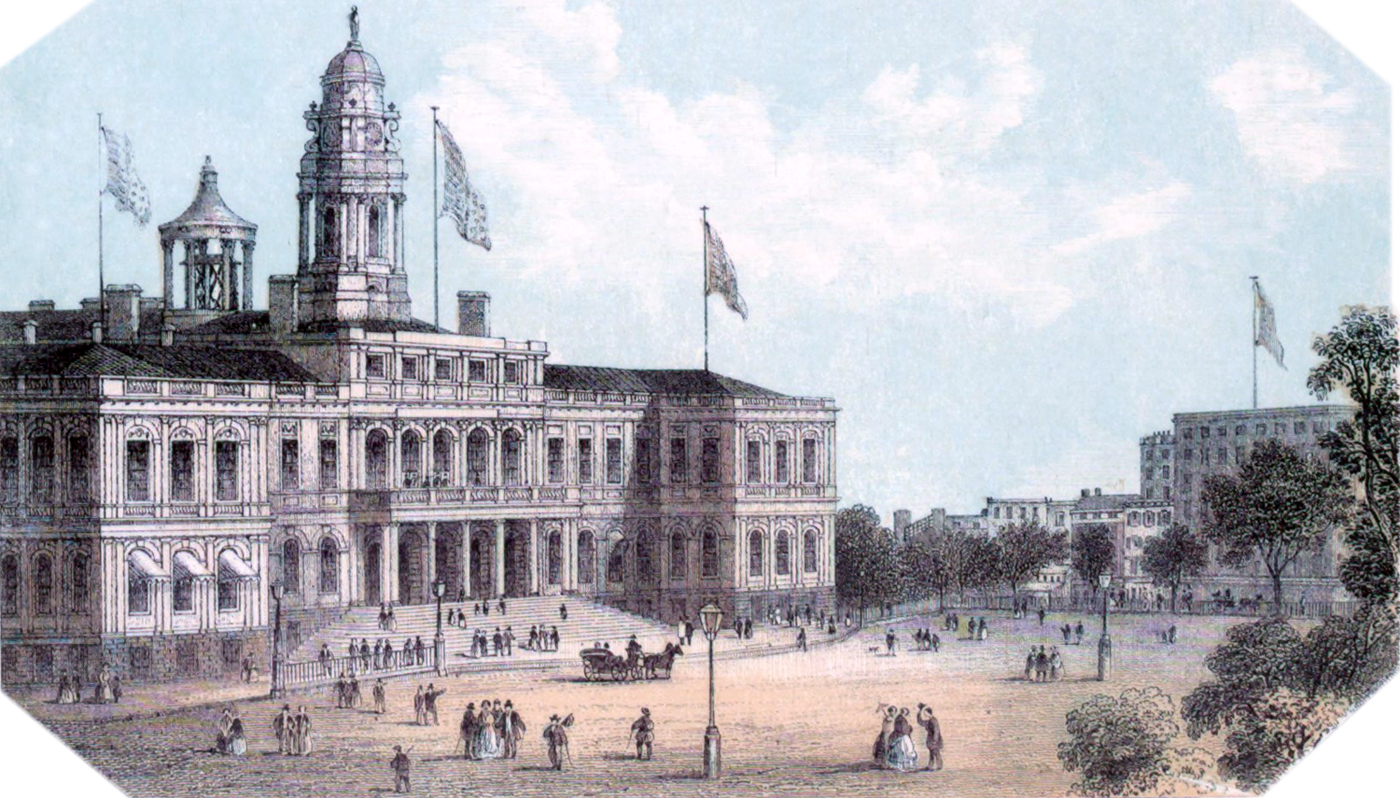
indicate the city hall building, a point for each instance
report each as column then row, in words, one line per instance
column 166, row 460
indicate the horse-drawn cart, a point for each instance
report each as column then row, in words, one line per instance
column 601, row 664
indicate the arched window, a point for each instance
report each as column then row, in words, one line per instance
column 586, row 554
column 1134, row 519
column 330, row 566
column 782, row 557
column 510, row 457
column 411, row 450
column 1149, row 519
column 377, row 459
column 43, row 585
column 555, row 558
column 291, row 566
column 645, row 572
column 330, row 234
column 78, row 597
column 138, row 590
column 442, row 457
column 181, row 587
column 41, row 469
column 678, row 555
column 9, row 584
column 376, row 228
column 477, row 442
column 809, row 551
column 709, row 554
column 755, row 553
column 615, row 562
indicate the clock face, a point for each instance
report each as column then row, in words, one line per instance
column 330, row 134
column 374, row 134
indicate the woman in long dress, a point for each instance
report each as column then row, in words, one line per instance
column 901, row 754
column 882, row 743
column 488, row 741
column 237, row 741
column 1057, row 665
column 303, row 723
column 103, row 693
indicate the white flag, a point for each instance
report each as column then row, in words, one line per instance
column 122, row 181
column 719, row 274
column 460, row 200
column 1264, row 333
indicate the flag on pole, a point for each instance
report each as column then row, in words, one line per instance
column 122, row 181
column 1264, row 333
column 460, row 199
column 719, row 274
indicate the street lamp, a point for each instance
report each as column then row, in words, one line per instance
column 710, row 617
column 1105, row 644
column 279, row 679
column 440, row 642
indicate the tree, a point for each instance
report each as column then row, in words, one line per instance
column 1125, row 745
column 1276, row 508
column 1023, row 549
column 921, row 572
column 866, row 568
column 1173, row 558
column 1092, row 553
column 1361, row 356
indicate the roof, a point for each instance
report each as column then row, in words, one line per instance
column 353, row 62
column 208, row 216
column 146, row 360
column 375, row 326
column 1111, row 501
column 68, row 325
column 670, row 382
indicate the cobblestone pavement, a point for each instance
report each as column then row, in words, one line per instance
column 792, row 723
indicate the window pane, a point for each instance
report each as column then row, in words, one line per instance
column 138, row 471
column 645, row 460
column 182, row 471
column 374, row 366
column 753, row 467
column 476, row 370
column 585, row 461
column 330, row 464
column 614, row 461
column 678, row 464
column 291, row 465
column 809, row 460
column 78, row 468
column 709, row 554
column 780, row 462
column 41, row 469
column 555, row 459
column 9, row 470
column 709, row 460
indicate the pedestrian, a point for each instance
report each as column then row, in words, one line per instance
column 302, row 735
column 1079, row 633
column 400, row 766
column 1171, row 634
column 889, row 642
column 643, row 732
column 901, row 754
column 282, row 728
column 497, row 642
column 468, row 732
column 557, row 736
column 1057, row 665
column 680, row 632
column 355, row 697
column 563, row 612
column 1042, row 665
column 509, row 637
column 418, row 650
column 502, row 605
column 553, row 638
column 1030, row 663
column 882, row 743
column 933, row 739
column 801, row 639
column 380, row 707
column 689, row 633
column 511, row 727
column 1041, row 613
column 419, row 707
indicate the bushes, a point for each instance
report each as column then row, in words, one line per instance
column 1126, row 745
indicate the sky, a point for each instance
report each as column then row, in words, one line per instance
column 1009, row 239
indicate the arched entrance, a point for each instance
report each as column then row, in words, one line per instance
column 483, row 572
column 373, row 594
column 413, row 566
column 517, row 560
column 448, row 558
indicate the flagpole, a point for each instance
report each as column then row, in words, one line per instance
column 705, row 280
column 436, row 292
column 101, row 279
column 1254, row 305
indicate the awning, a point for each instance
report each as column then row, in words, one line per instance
column 144, row 566
column 187, row 564
column 231, row 566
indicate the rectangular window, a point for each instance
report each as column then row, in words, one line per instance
column 512, row 372
column 182, row 471
column 1300, row 427
column 1187, row 435
column 646, row 457
column 585, row 461
column 41, row 470
column 809, row 460
column 138, row 593
column 9, row 470
column 678, row 463
column 183, row 593
column 1205, row 432
column 442, row 370
column 138, row 471
column 1261, row 429
column 753, row 462
column 554, row 459
column 78, row 468
column 614, row 461
column 291, row 464
column 781, row 466
column 374, row 367
column 330, row 465
column 226, row 471
column 227, row 589
column 1222, row 456
column 476, row 370
column 410, row 368
column 709, row 460
column 1239, row 429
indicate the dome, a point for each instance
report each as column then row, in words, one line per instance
column 208, row 216
column 352, row 63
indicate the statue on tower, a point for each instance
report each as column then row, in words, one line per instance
column 354, row 23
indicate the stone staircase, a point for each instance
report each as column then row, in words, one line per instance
column 588, row 622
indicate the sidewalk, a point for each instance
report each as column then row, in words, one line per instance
column 138, row 700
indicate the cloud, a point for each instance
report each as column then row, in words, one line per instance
column 1290, row 119
column 1130, row 216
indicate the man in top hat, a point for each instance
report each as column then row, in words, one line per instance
column 643, row 732
column 556, row 734
column 400, row 765
column 933, row 738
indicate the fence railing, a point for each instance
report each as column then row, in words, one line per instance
column 315, row 671
column 1092, row 605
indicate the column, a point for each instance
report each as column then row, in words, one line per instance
column 190, row 273
column 226, row 274
column 248, row 275
column 498, row 558
column 398, row 233
column 167, row 255
column 303, row 205
column 389, row 562
column 536, row 562
column 466, row 544
column 431, row 571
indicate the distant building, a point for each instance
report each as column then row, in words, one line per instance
column 901, row 524
column 1156, row 453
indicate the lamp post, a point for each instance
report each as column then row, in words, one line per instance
column 439, row 641
column 279, row 679
column 710, row 617
column 1105, row 644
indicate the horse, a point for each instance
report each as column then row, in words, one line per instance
column 662, row 661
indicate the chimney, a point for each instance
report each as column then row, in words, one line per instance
column 40, row 305
column 474, row 313
column 282, row 304
column 31, row 330
column 1083, row 493
column 167, row 334
column 91, row 303
column 123, row 312
column 97, row 332
column 1098, row 491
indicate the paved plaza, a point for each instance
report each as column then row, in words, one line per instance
column 793, row 723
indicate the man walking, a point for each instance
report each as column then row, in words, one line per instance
column 379, row 705
column 643, row 732
column 933, row 738
column 430, row 704
column 282, row 728
column 400, row 766
column 556, row 734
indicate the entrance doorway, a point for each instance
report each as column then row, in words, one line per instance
column 373, row 594
column 483, row 572
column 448, row 558
column 413, row 567
column 517, row 560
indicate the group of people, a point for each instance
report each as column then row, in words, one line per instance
column 976, row 627
column 484, row 608
column 499, row 644
column 1042, row 667
column 425, row 708
column 387, row 621
column 70, row 689
column 293, row 731
column 1168, row 635
column 347, row 692
column 542, row 639
column 1077, row 631
column 894, row 748
column 381, row 656
column 925, row 640
column 493, row 732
